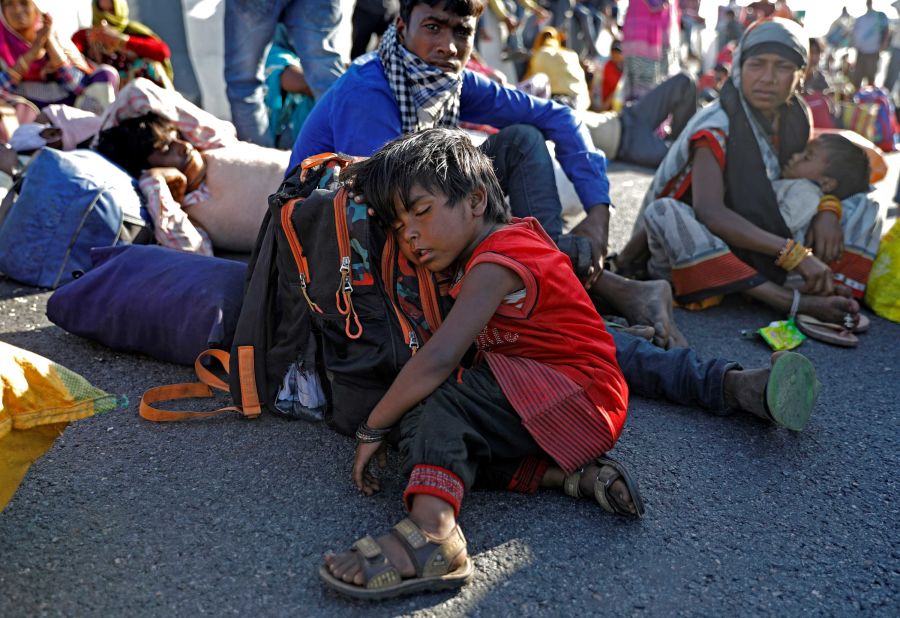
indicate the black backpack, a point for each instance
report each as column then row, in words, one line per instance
column 328, row 292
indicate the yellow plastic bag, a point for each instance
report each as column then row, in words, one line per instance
column 883, row 290
column 38, row 398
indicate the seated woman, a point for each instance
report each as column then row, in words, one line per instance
column 37, row 64
column 715, row 215
column 568, row 84
column 129, row 46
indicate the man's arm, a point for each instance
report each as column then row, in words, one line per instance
column 357, row 116
column 484, row 102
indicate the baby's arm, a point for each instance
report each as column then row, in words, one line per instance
column 481, row 293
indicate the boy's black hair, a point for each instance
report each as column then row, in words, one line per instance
column 132, row 141
column 463, row 8
column 848, row 164
column 442, row 161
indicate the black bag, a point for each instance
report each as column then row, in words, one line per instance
column 327, row 291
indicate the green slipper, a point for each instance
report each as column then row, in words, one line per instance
column 791, row 391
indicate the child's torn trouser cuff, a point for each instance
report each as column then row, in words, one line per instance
column 434, row 481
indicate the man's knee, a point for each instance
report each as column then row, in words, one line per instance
column 525, row 136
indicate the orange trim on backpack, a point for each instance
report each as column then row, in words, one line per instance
column 429, row 298
column 388, row 259
column 324, row 157
column 247, row 375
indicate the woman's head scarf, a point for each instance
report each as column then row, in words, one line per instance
column 774, row 35
column 117, row 19
column 544, row 38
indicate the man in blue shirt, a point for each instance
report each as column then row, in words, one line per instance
column 416, row 80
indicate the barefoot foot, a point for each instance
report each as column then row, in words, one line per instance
column 829, row 308
column 646, row 303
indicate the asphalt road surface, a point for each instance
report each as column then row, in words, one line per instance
column 228, row 517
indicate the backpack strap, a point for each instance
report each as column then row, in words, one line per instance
column 342, row 297
column 428, row 296
column 203, row 388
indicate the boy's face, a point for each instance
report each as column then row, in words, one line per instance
column 440, row 38
column 434, row 233
column 811, row 163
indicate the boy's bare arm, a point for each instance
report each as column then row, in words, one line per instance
column 482, row 292
column 480, row 295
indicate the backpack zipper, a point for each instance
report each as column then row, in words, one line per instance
column 297, row 250
column 342, row 296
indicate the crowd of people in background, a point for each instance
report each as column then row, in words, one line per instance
column 761, row 139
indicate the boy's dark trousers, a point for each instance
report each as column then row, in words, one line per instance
column 469, row 428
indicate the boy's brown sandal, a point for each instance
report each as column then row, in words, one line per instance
column 432, row 561
column 602, row 484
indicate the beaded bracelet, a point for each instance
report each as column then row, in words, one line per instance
column 367, row 435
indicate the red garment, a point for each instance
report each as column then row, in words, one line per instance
column 551, row 353
column 143, row 46
column 611, row 76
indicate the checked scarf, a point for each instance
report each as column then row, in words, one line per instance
column 427, row 96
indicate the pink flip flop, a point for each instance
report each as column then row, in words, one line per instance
column 828, row 332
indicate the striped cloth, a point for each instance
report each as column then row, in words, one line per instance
column 554, row 409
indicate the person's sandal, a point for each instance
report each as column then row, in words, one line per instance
column 602, row 484
column 432, row 562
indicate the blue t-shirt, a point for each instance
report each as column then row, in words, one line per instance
column 359, row 114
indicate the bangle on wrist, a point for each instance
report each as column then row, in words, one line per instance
column 366, row 434
column 830, row 203
column 788, row 245
column 791, row 255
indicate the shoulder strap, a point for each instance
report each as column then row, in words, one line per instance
column 190, row 390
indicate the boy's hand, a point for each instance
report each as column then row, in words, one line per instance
column 365, row 480
column 826, row 237
column 595, row 227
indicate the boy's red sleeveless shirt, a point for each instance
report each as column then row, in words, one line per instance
column 554, row 330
